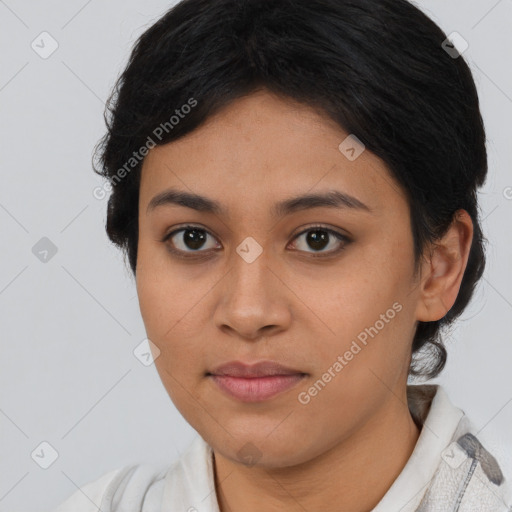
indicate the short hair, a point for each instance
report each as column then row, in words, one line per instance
column 378, row 68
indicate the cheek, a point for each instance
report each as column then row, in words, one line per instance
column 363, row 301
column 156, row 290
column 173, row 316
column 177, row 334
column 153, row 305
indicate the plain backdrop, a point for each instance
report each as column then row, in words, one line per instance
column 70, row 324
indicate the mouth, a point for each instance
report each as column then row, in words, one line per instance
column 255, row 382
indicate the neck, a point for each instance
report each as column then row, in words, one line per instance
column 352, row 475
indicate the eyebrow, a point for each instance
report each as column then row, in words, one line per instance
column 329, row 199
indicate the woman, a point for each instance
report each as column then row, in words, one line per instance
column 294, row 185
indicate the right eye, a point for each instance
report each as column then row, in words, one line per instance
column 187, row 240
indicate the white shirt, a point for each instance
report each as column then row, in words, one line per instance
column 188, row 484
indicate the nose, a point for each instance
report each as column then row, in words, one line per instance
column 254, row 299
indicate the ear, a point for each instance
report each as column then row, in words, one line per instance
column 443, row 269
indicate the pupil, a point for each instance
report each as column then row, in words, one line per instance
column 317, row 241
column 194, row 238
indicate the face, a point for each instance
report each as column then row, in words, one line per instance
column 327, row 290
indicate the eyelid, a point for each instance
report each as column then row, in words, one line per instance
column 185, row 227
column 319, row 226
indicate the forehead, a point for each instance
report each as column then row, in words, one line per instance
column 261, row 147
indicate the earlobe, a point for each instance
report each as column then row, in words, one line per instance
column 443, row 270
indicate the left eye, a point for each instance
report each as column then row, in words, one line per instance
column 194, row 238
column 318, row 237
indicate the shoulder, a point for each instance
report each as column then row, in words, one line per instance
column 468, row 478
column 463, row 475
column 188, row 480
column 113, row 490
column 88, row 497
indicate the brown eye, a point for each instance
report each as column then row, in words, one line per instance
column 318, row 238
column 188, row 239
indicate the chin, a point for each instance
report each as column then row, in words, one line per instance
column 255, row 448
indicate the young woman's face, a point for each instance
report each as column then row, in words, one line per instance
column 256, row 283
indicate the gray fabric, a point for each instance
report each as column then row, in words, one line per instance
column 467, row 480
column 474, row 449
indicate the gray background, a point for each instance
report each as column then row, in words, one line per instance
column 68, row 375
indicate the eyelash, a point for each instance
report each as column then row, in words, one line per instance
column 183, row 254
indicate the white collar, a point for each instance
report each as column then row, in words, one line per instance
column 437, row 433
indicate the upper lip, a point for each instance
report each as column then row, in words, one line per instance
column 259, row 369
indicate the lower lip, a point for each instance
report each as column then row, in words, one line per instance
column 256, row 389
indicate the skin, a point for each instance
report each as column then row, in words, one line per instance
column 343, row 449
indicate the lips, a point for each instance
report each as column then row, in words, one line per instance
column 260, row 369
column 256, row 382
